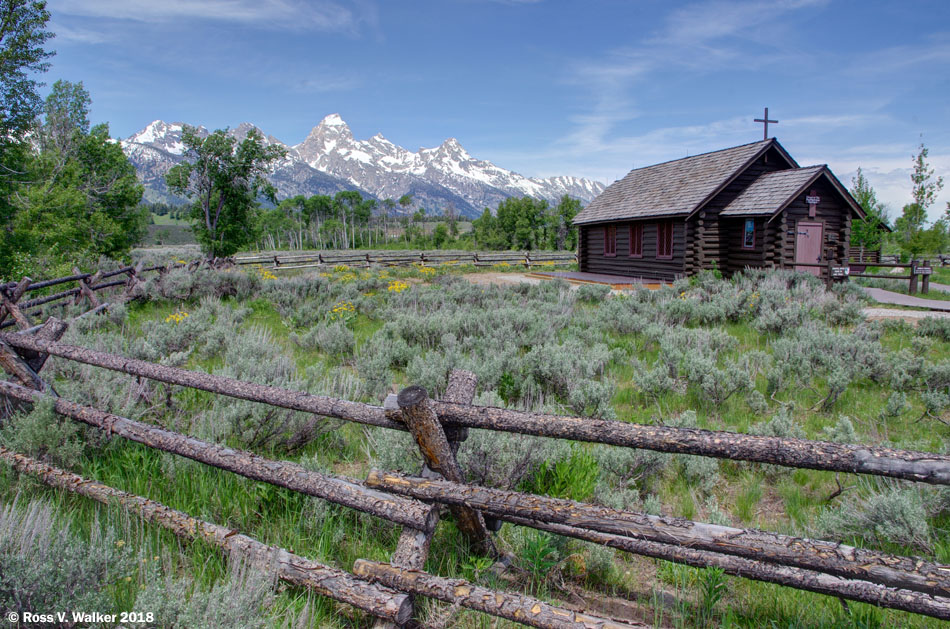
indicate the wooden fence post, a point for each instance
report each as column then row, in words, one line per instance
column 413, row 547
column 84, row 290
column 925, row 279
column 9, row 302
column 425, row 427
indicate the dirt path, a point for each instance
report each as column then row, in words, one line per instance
column 911, row 316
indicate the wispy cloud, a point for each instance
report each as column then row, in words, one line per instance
column 321, row 15
column 699, row 37
column 76, row 35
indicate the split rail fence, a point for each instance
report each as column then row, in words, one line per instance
column 407, row 258
column 919, row 272
column 440, row 427
column 12, row 294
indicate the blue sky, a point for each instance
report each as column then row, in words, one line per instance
column 541, row 87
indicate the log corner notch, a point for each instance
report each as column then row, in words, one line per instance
column 438, row 455
column 25, row 365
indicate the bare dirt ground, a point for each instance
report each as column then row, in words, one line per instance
column 500, row 279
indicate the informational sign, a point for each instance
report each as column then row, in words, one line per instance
column 840, row 271
column 924, row 270
column 810, row 200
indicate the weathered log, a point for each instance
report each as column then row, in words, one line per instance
column 10, row 307
column 517, row 607
column 924, row 467
column 347, row 492
column 17, row 291
column 275, row 396
column 798, row 578
column 39, row 301
column 331, row 582
column 413, row 546
column 437, row 453
column 13, row 364
column 85, row 290
column 52, row 330
column 822, row 556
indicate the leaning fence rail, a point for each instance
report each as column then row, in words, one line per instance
column 909, row 584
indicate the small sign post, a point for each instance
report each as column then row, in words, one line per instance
column 812, row 200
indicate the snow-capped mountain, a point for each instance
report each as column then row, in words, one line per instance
column 331, row 159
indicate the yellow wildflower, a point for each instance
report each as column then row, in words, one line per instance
column 397, row 286
column 177, row 317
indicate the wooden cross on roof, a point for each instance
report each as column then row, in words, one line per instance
column 766, row 121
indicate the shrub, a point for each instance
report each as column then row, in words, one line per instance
column 782, row 424
column 334, row 339
column 896, row 405
column 593, row 293
column 842, row 432
column 254, row 357
column 936, row 327
column 240, row 602
column 43, row 434
column 44, row 568
column 893, row 515
column 502, row 460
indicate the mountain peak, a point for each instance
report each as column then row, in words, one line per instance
column 333, row 120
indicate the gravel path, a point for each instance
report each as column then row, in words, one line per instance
column 911, row 316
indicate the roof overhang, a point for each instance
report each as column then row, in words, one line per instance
column 830, row 176
column 773, row 143
column 630, row 219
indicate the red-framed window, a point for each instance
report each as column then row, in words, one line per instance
column 610, row 241
column 664, row 240
column 636, row 240
column 748, row 234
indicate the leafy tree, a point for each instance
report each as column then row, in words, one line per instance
column 869, row 232
column 440, row 235
column 522, row 220
column 914, row 239
column 80, row 196
column 565, row 234
column 67, row 116
column 22, row 37
column 224, row 179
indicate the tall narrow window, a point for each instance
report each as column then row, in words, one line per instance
column 636, row 240
column 664, row 240
column 610, row 241
column 748, row 234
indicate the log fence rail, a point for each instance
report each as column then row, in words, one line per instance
column 286, row 262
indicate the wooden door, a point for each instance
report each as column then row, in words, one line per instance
column 808, row 247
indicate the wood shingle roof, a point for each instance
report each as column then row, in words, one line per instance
column 771, row 191
column 672, row 188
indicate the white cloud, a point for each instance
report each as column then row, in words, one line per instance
column 292, row 14
column 698, row 37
